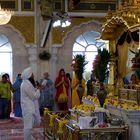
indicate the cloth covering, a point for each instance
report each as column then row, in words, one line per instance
column 26, row 73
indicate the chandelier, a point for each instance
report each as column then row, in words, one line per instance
column 63, row 20
column 5, row 16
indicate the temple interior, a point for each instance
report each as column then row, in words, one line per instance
column 81, row 59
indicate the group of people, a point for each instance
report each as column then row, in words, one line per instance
column 30, row 97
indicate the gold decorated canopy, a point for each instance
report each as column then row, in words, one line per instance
column 127, row 16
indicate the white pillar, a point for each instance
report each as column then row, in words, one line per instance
column 32, row 51
column 53, row 64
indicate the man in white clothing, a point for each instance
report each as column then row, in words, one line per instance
column 29, row 95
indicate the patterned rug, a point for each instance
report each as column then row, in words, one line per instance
column 11, row 124
column 12, row 129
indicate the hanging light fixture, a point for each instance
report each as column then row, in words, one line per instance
column 62, row 17
column 63, row 20
column 5, row 16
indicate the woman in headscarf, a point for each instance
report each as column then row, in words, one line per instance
column 29, row 99
column 47, row 95
column 17, row 105
column 62, row 86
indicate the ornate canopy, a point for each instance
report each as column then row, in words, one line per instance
column 113, row 28
column 127, row 16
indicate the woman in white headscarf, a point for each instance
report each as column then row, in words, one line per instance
column 29, row 98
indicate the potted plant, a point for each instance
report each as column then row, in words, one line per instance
column 44, row 55
column 101, row 71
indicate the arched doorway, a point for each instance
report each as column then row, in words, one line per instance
column 19, row 52
column 5, row 56
column 88, row 44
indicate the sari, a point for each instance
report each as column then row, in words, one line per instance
column 62, row 86
column 75, row 97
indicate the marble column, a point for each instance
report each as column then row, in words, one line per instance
column 33, row 59
column 112, row 50
column 53, row 63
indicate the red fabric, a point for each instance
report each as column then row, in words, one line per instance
column 59, row 88
column 62, row 106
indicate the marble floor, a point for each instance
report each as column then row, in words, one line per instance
column 13, row 130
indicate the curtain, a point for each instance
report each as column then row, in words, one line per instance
column 122, row 59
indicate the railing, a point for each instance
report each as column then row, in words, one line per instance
column 73, row 132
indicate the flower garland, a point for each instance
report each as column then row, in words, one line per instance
column 62, row 123
column 52, row 119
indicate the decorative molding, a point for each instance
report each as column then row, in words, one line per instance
column 57, row 45
column 58, row 34
column 82, row 28
column 11, row 29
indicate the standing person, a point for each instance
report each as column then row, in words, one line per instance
column 10, row 102
column 69, row 90
column 5, row 97
column 62, row 86
column 29, row 98
column 47, row 95
column 17, row 103
column 75, row 97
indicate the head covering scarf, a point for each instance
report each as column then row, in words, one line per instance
column 26, row 73
column 17, row 82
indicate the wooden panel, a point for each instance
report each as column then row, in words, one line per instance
column 9, row 4
column 27, row 5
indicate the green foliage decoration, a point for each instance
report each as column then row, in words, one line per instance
column 100, row 65
column 80, row 66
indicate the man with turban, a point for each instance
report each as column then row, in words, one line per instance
column 29, row 96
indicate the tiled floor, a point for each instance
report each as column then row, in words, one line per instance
column 11, row 130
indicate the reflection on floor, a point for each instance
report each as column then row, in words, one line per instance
column 13, row 130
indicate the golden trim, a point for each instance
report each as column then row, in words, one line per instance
column 96, row 1
column 32, row 5
column 16, row 4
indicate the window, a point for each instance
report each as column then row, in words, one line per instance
column 5, row 56
column 87, row 44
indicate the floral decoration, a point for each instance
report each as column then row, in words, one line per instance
column 52, row 119
column 62, row 123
